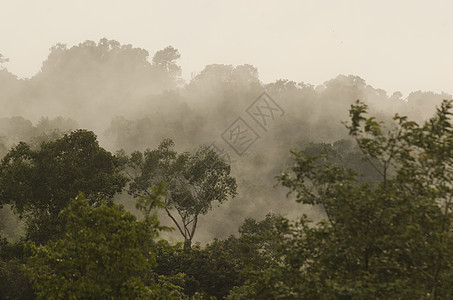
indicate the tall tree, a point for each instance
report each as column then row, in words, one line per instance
column 40, row 182
column 378, row 240
column 193, row 182
column 166, row 60
column 81, row 80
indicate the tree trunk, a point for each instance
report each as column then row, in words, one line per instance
column 187, row 244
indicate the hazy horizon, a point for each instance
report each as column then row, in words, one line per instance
column 404, row 46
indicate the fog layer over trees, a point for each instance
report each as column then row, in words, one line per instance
column 128, row 113
column 133, row 100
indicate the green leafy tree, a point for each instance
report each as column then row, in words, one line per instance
column 193, row 182
column 39, row 182
column 14, row 283
column 214, row 269
column 103, row 255
column 210, row 270
column 390, row 239
column 346, row 153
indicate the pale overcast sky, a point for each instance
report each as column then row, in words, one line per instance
column 395, row 45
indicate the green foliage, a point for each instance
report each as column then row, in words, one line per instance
column 346, row 154
column 39, row 183
column 147, row 204
column 103, row 253
column 216, row 268
column 387, row 240
column 210, row 271
column 192, row 181
column 13, row 282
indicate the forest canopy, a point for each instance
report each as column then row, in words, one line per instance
column 118, row 179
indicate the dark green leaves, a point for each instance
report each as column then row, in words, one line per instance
column 390, row 239
column 102, row 254
column 39, row 183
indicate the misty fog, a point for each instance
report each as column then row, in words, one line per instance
column 133, row 99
